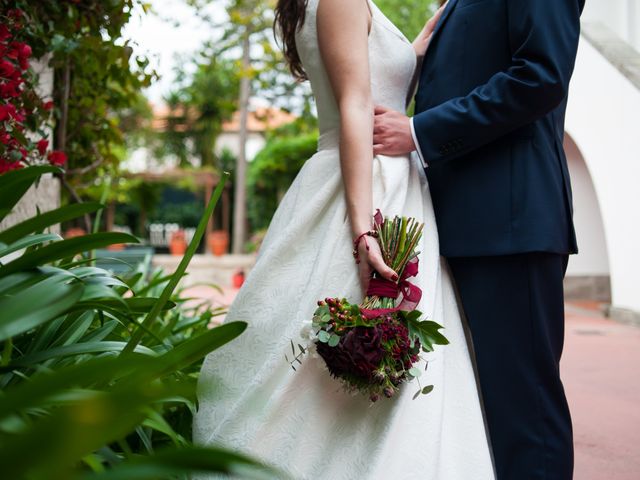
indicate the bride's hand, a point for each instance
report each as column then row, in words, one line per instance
column 370, row 261
column 422, row 41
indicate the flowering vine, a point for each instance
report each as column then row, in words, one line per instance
column 24, row 116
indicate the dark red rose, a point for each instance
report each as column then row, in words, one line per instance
column 42, row 146
column 359, row 353
column 57, row 158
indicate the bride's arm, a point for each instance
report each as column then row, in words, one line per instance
column 343, row 31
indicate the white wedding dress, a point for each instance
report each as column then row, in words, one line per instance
column 303, row 422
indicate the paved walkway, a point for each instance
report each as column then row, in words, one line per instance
column 601, row 372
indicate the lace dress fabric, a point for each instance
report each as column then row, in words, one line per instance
column 303, row 422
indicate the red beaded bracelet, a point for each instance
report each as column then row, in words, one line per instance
column 356, row 243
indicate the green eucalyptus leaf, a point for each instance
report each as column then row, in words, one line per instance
column 324, row 336
column 426, row 390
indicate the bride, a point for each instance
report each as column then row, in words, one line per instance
column 303, row 422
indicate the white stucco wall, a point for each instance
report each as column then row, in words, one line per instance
column 593, row 259
column 603, row 118
column 621, row 16
column 229, row 140
column 45, row 195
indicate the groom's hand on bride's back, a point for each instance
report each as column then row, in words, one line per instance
column 391, row 133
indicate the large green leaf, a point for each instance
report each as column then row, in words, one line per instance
column 427, row 332
column 64, row 249
column 75, row 330
column 36, row 305
column 69, row 433
column 47, row 219
column 138, row 334
column 28, row 241
column 74, row 349
column 196, row 348
column 145, row 304
column 45, row 385
column 170, row 463
column 14, row 184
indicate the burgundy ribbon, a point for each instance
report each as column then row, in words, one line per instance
column 381, row 287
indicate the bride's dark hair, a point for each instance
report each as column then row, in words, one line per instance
column 289, row 17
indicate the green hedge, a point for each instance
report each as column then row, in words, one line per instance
column 271, row 173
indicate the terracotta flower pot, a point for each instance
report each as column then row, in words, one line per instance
column 177, row 244
column 219, row 242
column 238, row 279
column 74, row 232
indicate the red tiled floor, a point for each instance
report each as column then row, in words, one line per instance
column 601, row 373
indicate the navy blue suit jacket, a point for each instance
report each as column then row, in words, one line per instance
column 489, row 120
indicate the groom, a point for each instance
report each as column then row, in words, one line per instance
column 489, row 127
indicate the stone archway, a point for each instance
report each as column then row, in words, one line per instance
column 602, row 119
column 588, row 274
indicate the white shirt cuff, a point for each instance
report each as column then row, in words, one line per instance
column 417, row 144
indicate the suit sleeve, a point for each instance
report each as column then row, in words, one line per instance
column 543, row 38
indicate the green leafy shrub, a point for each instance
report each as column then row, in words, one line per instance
column 271, row 173
column 97, row 373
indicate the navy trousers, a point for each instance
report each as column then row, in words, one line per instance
column 515, row 310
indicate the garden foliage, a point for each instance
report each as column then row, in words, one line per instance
column 97, row 373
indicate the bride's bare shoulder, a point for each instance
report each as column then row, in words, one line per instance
column 335, row 14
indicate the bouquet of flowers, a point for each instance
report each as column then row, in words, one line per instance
column 374, row 347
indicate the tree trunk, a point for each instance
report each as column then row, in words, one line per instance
column 239, row 211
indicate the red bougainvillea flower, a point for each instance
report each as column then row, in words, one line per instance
column 42, row 146
column 7, row 70
column 57, row 158
column 8, row 165
column 8, row 110
column 47, row 105
column 10, row 90
column 24, row 50
column 4, row 112
column 4, row 33
column 15, row 14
